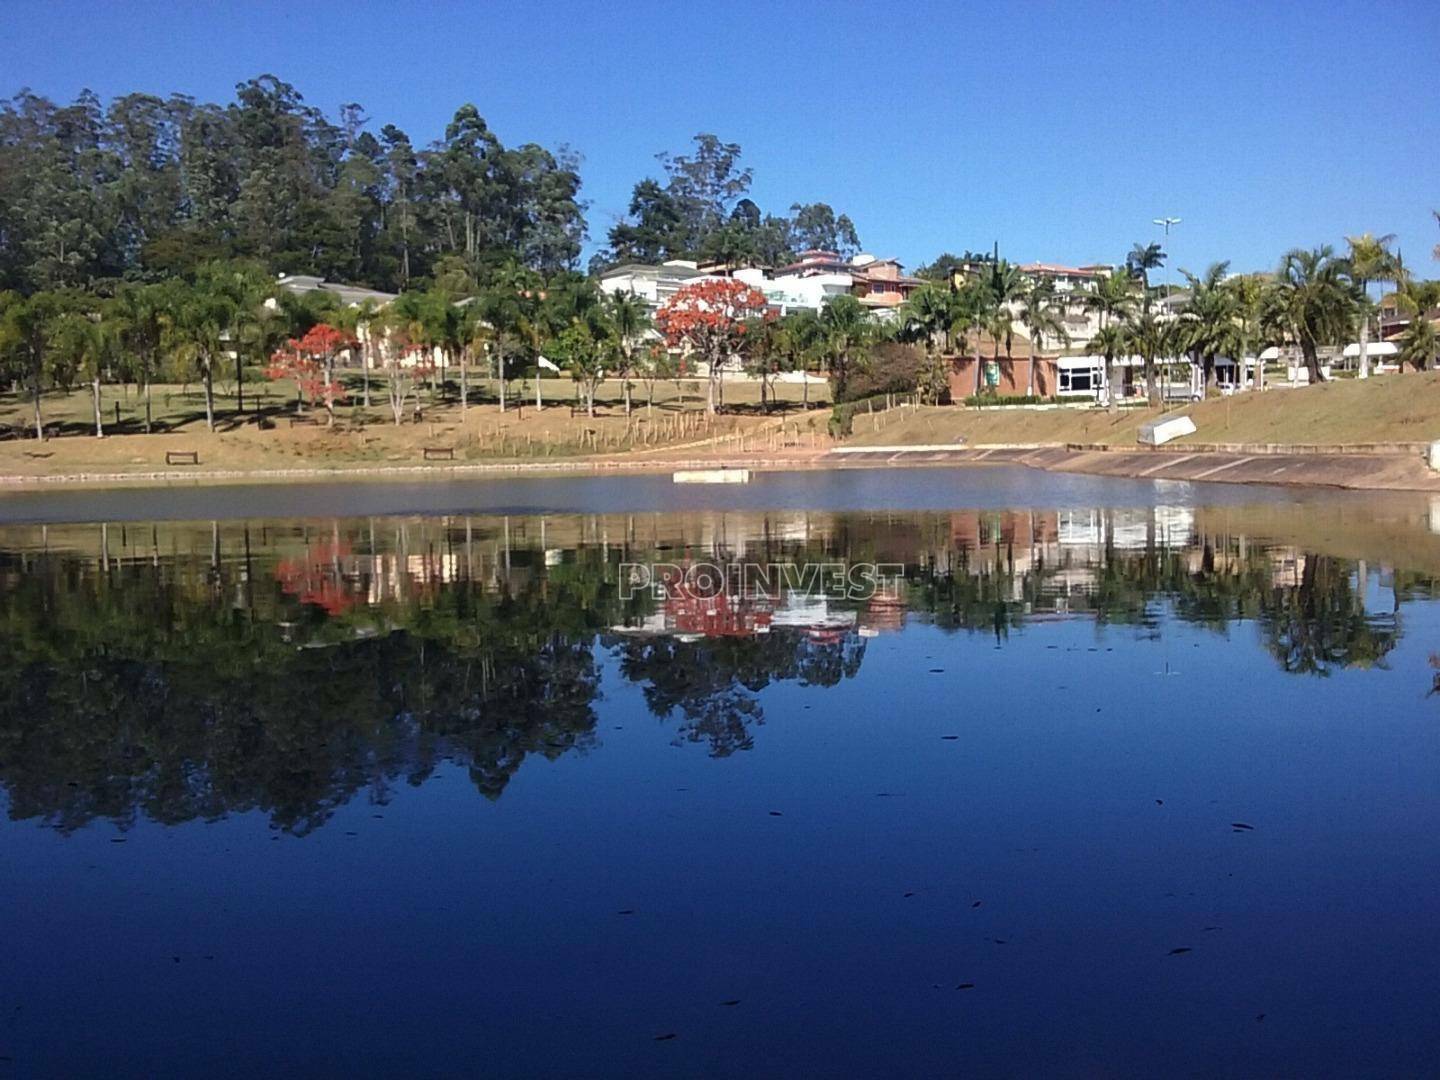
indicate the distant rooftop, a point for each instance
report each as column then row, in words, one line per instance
column 1058, row 269
column 348, row 294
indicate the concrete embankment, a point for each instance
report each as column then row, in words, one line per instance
column 1371, row 466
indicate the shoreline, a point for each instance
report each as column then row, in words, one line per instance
column 1360, row 468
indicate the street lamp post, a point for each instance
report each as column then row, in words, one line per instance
column 1165, row 223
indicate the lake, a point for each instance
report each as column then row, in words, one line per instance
column 860, row 773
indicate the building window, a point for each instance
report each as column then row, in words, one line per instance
column 1079, row 380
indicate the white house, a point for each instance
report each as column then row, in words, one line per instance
column 653, row 284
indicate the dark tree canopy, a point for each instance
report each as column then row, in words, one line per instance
column 146, row 187
column 703, row 211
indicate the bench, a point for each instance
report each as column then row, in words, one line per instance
column 439, row 453
column 182, row 457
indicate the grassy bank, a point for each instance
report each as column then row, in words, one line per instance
column 1391, row 408
column 271, row 436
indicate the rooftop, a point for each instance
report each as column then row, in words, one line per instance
column 348, row 294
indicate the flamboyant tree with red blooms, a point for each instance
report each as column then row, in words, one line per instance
column 317, row 577
column 310, row 362
column 709, row 319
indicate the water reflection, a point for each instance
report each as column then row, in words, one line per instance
column 181, row 671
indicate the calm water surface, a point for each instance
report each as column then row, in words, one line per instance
column 1115, row 778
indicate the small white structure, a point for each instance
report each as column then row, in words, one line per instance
column 712, row 476
column 1374, row 350
column 1160, row 432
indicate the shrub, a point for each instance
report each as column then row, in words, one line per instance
column 982, row 401
column 842, row 415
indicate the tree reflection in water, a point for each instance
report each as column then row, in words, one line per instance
column 181, row 674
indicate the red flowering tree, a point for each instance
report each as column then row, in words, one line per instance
column 310, row 362
column 712, row 320
column 317, row 576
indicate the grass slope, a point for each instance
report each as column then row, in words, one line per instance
column 1390, row 408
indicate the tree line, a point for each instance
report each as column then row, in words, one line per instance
column 1316, row 298
column 146, row 187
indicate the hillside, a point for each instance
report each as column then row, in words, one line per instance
column 1391, row 408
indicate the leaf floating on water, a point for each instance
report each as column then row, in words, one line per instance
column 1159, row 802
column 1207, row 929
column 776, row 813
column 999, row 941
column 949, row 738
column 908, row 895
column 1180, row 951
column 975, row 904
column 965, row 986
column 663, row 1038
column 626, row 911
column 1240, row 826
column 937, row 671
column 117, row 839
column 1260, row 1018
column 732, row 1001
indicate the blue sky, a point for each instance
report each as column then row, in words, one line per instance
column 1058, row 130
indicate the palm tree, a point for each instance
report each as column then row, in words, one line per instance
column 1040, row 315
column 1142, row 259
column 202, row 324
column 1149, row 337
column 502, row 307
column 847, row 329
column 139, row 313
column 247, row 288
column 1113, row 297
column 1110, row 342
column 1420, row 343
column 1247, row 299
column 27, row 328
column 629, row 318
column 1317, row 301
column 929, row 316
column 974, row 310
column 801, row 337
column 86, row 344
column 1370, row 260
column 449, row 328
column 1206, row 326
